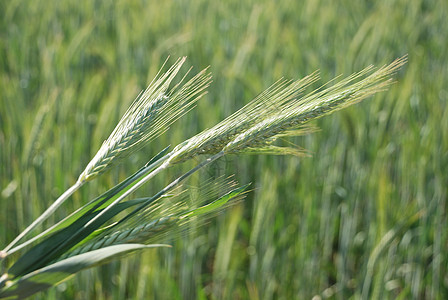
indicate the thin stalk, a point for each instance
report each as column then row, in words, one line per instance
column 44, row 215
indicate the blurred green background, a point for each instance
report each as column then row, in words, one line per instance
column 364, row 216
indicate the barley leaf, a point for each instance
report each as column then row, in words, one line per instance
column 56, row 244
column 58, row 272
column 102, row 200
column 111, row 194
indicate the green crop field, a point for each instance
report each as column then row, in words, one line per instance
column 363, row 216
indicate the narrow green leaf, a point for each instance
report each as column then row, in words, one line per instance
column 58, row 272
column 158, row 156
column 112, row 193
column 55, row 245
column 105, row 198
column 67, row 236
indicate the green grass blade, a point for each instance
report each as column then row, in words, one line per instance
column 55, row 245
column 102, row 200
column 58, row 272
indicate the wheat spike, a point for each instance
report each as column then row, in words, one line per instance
column 212, row 140
column 315, row 105
column 149, row 116
column 137, row 234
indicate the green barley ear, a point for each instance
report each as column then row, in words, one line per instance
column 212, row 141
column 282, row 111
column 149, row 116
column 315, row 105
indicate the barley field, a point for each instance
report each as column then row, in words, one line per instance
column 364, row 215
